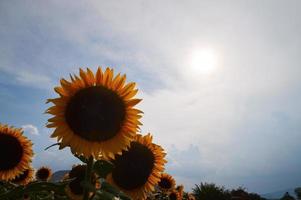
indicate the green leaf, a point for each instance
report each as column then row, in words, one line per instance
column 89, row 186
column 103, row 195
column 103, row 168
column 52, row 146
column 33, row 188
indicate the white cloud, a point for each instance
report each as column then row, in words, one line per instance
column 36, row 80
column 27, row 77
column 31, row 129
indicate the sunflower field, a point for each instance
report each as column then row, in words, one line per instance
column 95, row 116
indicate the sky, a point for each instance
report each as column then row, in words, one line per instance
column 220, row 80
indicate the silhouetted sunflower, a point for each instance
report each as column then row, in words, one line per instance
column 166, row 182
column 25, row 177
column 95, row 113
column 43, row 174
column 74, row 190
column 15, row 152
column 174, row 195
column 138, row 169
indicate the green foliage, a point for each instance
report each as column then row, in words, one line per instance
column 48, row 191
column 298, row 192
column 102, row 168
column 209, row 191
column 35, row 190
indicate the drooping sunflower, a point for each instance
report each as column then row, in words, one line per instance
column 174, row 195
column 138, row 169
column 95, row 113
column 166, row 183
column 15, row 152
column 43, row 173
column 74, row 190
column 25, row 177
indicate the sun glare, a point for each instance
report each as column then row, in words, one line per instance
column 203, row 61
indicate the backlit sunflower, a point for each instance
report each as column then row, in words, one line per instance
column 174, row 195
column 166, row 182
column 43, row 174
column 15, row 152
column 138, row 169
column 25, row 177
column 95, row 113
column 74, row 190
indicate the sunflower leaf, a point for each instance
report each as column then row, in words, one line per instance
column 34, row 187
column 55, row 144
column 103, row 195
column 88, row 185
column 103, row 168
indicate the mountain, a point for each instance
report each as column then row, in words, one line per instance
column 58, row 175
column 279, row 194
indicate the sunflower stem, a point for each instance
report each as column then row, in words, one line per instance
column 88, row 177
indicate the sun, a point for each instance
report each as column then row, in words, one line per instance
column 203, row 61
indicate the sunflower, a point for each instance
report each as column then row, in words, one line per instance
column 43, row 174
column 180, row 189
column 174, row 195
column 166, row 182
column 25, row 177
column 15, row 152
column 74, row 190
column 95, row 113
column 138, row 170
column 191, row 197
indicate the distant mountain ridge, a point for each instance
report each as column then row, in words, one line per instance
column 58, row 175
column 278, row 194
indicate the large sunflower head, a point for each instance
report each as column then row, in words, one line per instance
column 138, row 169
column 174, row 195
column 95, row 113
column 74, row 190
column 166, row 182
column 25, row 177
column 15, row 152
column 43, row 174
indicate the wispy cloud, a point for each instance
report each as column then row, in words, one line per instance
column 35, row 80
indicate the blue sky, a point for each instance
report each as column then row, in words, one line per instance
column 238, row 125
